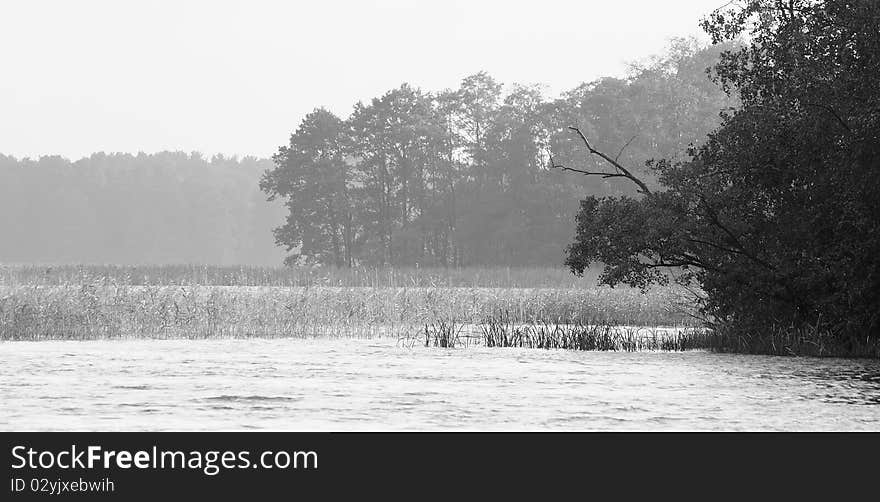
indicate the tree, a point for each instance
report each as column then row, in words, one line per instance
column 312, row 174
column 478, row 100
column 776, row 216
column 393, row 144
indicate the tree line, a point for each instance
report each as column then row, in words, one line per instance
column 412, row 178
column 162, row 208
column 461, row 177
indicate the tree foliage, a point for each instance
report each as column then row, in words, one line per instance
column 776, row 216
column 320, row 192
column 460, row 177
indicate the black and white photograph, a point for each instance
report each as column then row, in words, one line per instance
column 459, row 216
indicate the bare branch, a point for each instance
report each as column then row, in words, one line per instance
column 624, row 147
column 622, row 172
column 562, row 167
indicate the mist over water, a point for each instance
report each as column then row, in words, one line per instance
column 353, row 384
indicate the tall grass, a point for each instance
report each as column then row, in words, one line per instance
column 383, row 277
column 502, row 330
column 105, row 310
column 542, row 308
column 505, row 331
column 188, row 301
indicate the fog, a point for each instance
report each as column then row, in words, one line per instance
column 237, row 77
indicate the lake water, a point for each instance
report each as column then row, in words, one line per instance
column 351, row 384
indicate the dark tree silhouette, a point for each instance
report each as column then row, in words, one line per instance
column 777, row 215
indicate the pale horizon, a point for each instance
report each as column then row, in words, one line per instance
column 236, row 78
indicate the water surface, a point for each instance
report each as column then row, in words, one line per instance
column 350, row 384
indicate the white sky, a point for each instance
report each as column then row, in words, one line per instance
column 237, row 77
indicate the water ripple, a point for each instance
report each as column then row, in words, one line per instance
column 342, row 384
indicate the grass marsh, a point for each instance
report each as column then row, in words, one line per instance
column 318, row 276
column 504, row 332
column 91, row 311
column 118, row 302
column 494, row 307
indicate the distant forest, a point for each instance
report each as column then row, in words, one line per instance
column 163, row 208
column 453, row 178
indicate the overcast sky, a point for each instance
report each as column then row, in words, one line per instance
column 237, row 77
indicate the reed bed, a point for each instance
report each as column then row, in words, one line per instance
column 503, row 330
column 442, row 334
column 381, row 277
column 102, row 309
column 492, row 307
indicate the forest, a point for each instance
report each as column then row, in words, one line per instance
column 459, row 177
column 119, row 208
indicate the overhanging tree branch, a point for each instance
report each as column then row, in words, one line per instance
column 621, row 172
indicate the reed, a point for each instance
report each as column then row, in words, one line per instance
column 503, row 330
column 318, row 276
column 118, row 304
column 102, row 310
column 573, row 334
column 495, row 307
column 445, row 334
